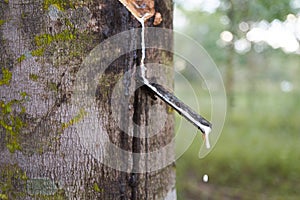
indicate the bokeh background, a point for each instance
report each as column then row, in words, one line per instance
column 255, row 45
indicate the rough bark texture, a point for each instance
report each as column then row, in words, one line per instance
column 42, row 132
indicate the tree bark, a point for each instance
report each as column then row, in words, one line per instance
column 52, row 146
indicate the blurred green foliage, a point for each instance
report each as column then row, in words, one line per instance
column 257, row 155
column 255, row 10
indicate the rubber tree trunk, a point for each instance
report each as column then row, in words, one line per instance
column 51, row 146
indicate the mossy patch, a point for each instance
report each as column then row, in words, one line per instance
column 60, row 4
column 66, row 41
column 3, row 196
column 64, row 4
column 38, row 52
column 6, row 77
column 82, row 113
column 52, row 86
column 43, row 41
column 33, row 77
column 12, row 182
column 96, row 188
column 2, row 22
column 11, row 121
column 21, row 58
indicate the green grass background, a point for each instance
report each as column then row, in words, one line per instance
column 257, row 155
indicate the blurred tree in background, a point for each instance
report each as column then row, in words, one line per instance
column 255, row 44
column 225, row 34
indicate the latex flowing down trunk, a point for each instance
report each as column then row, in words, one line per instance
column 48, row 146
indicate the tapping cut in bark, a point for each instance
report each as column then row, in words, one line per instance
column 143, row 10
column 140, row 8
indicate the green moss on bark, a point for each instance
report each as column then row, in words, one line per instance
column 2, row 22
column 33, row 77
column 12, row 122
column 45, row 40
column 6, row 77
column 82, row 113
column 21, row 58
column 96, row 188
column 60, row 4
column 12, row 182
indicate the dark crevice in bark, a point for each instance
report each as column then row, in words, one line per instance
column 124, row 138
column 136, row 143
column 146, row 148
column 139, row 97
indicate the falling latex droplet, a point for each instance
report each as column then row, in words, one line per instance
column 205, row 178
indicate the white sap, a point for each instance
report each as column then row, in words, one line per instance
column 143, row 68
column 206, row 135
column 206, row 129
